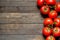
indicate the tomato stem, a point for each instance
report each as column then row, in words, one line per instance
column 50, row 26
column 54, row 23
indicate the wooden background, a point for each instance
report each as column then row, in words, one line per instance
column 20, row 20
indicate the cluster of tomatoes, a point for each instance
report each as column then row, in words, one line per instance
column 51, row 23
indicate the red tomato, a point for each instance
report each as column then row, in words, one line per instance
column 48, row 21
column 56, row 32
column 53, row 14
column 57, row 7
column 57, row 22
column 47, row 31
column 50, row 2
column 45, row 10
column 50, row 38
column 40, row 2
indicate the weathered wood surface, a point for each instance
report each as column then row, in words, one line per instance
column 21, row 37
column 19, row 9
column 22, row 29
column 30, row 18
column 22, row 6
column 20, row 20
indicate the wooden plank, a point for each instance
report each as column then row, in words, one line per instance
column 17, row 0
column 24, row 3
column 22, row 6
column 21, row 18
column 21, row 29
column 21, row 37
column 19, row 3
column 19, row 9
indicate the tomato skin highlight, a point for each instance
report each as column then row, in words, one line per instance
column 56, row 32
column 50, row 38
column 45, row 10
column 57, row 7
column 47, row 31
column 50, row 2
column 40, row 2
column 53, row 14
column 48, row 21
column 57, row 22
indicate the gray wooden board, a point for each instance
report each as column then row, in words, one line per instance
column 20, row 18
column 19, row 9
column 19, row 3
column 22, row 29
column 21, row 37
column 22, row 6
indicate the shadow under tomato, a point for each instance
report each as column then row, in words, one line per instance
column 44, row 16
column 44, row 36
column 58, row 38
column 38, row 7
column 58, row 13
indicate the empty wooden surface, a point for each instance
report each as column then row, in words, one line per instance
column 21, row 20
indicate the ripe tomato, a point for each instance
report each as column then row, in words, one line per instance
column 50, row 38
column 50, row 2
column 53, row 14
column 45, row 10
column 40, row 2
column 57, row 22
column 47, row 31
column 48, row 21
column 57, row 7
column 56, row 32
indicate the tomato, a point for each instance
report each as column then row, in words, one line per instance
column 48, row 21
column 45, row 10
column 50, row 2
column 40, row 2
column 57, row 7
column 53, row 14
column 50, row 38
column 57, row 22
column 47, row 31
column 56, row 32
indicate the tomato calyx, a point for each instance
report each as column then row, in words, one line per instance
column 48, row 29
column 50, row 26
column 52, row 7
column 55, row 30
column 51, row 37
column 51, row 11
column 54, row 23
column 45, row 9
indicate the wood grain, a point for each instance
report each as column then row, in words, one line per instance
column 21, row 6
column 21, row 18
column 21, row 37
column 18, row 9
column 21, row 29
column 32, row 18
